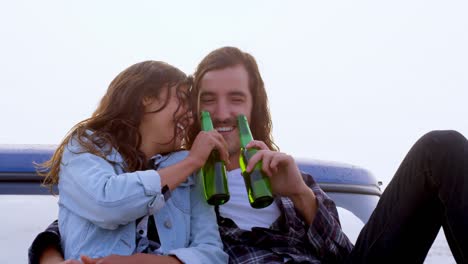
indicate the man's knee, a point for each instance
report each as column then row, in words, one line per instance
column 444, row 141
column 446, row 137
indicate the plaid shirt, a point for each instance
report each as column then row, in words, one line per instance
column 289, row 239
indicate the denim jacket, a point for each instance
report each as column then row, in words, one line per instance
column 99, row 203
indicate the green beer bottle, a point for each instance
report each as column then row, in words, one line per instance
column 213, row 172
column 257, row 184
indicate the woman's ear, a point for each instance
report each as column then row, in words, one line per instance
column 147, row 100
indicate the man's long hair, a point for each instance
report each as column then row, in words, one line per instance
column 115, row 123
column 260, row 123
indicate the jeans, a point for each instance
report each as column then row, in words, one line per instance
column 429, row 190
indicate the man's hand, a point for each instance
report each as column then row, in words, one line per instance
column 285, row 177
column 52, row 256
column 137, row 258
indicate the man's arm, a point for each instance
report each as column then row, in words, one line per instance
column 46, row 246
column 314, row 212
column 140, row 258
column 46, row 249
column 306, row 204
column 51, row 255
column 286, row 179
column 325, row 233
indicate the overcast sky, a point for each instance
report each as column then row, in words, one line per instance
column 349, row 81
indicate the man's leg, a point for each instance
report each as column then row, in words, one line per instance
column 429, row 189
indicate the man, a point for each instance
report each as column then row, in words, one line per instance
column 228, row 83
column 429, row 190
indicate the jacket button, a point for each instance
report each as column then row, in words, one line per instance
column 168, row 224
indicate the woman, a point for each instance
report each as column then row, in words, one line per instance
column 112, row 200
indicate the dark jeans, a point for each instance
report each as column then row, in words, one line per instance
column 429, row 190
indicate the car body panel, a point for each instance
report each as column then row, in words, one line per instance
column 28, row 207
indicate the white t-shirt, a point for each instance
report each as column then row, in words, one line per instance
column 239, row 210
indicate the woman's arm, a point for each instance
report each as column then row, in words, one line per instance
column 91, row 187
column 202, row 147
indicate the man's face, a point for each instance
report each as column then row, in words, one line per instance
column 225, row 94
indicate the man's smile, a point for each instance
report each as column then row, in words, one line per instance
column 224, row 129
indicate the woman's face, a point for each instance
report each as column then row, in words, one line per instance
column 157, row 128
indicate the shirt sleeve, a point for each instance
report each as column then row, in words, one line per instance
column 48, row 238
column 325, row 234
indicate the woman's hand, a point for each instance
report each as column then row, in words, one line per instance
column 204, row 143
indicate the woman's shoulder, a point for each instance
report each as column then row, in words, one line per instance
column 172, row 158
column 81, row 144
